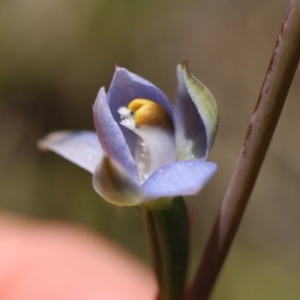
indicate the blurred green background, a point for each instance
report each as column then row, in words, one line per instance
column 55, row 55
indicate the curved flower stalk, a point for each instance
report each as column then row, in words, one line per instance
column 143, row 148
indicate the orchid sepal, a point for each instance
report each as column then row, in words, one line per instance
column 80, row 147
column 196, row 116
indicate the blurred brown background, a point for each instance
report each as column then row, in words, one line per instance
column 55, row 55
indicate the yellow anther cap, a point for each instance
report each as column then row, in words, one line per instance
column 148, row 113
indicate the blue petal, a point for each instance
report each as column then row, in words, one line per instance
column 113, row 184
column 82, row 147
column 111, row 137
column 126, row 87
column 190, row 131
column 179, row 178
column 195, row 115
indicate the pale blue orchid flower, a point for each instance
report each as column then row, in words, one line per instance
column 143, row 148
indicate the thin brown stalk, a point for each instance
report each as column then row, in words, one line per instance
column 270, row 102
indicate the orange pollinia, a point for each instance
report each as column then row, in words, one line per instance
column 149, row 113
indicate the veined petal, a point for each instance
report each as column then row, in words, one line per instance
column 111, row 137
column 113, row 184
column 196, row 116
column 179, row 178
column 127, row 86
column 82, row 147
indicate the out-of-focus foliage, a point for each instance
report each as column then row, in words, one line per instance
column 55, row 55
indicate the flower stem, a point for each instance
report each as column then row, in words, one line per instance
column 261, row 128
column 168, row 237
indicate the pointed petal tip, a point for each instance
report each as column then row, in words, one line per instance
column 117, row 67
column 184, row 68
column 81, row 147
column 100, row 93
column 183, row 64
column 45, row 143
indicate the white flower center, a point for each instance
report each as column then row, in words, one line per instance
column 156, row 146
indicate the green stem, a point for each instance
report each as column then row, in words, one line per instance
column 168, row 236
column 263, row 122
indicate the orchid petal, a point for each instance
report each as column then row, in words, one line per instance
column 127, row 86
column 111, row 137
column 196, row 116
column 113, row 184
column 179, row 178
column 82, row 147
